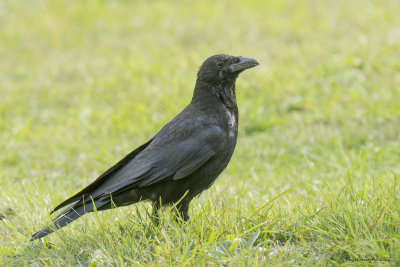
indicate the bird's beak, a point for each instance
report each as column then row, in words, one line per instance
column 243, row 64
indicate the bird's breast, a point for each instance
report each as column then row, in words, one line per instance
column 231, row 123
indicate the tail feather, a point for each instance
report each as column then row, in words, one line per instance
column 57, row 224
column 64, row 218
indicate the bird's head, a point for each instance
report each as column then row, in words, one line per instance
column 218, row 74
column 220, row 69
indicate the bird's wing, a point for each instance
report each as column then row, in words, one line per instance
column 102, row 178
column 174, row 160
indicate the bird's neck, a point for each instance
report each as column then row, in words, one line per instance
column 220, row 92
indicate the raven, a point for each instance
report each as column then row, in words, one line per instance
column 183, row 159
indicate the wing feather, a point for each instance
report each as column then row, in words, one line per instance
column 175, row 161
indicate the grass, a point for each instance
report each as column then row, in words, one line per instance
column 315, row 176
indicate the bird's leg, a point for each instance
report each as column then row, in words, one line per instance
column 183, row 210
column 154, row 214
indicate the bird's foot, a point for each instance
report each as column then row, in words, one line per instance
column 182, row 216
column 155, row 219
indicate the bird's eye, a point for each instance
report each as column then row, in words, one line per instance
column 220, row 64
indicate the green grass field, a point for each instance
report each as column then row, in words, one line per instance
column 315, row 176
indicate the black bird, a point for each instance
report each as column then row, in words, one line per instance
column 183, row 159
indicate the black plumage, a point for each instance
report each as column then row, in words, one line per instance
column 183, row 159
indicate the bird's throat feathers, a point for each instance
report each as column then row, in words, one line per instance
column 225, row 92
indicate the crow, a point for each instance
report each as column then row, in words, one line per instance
column 183, row 159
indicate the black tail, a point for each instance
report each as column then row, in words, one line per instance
column 67, row 216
